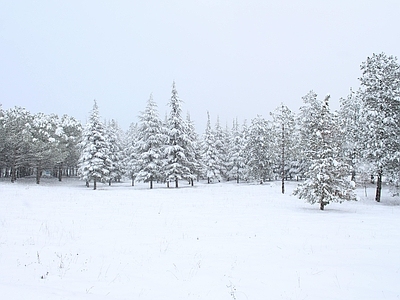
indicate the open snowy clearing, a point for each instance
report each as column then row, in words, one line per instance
column 218, row 241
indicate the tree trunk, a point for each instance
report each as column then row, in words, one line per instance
column 38, row 174
column 60, row 173
column 208, row 180
column 94, row 183
column 379, row 186
column 237, row 179
column 176, row 182
column 151, row 182
column 167, row 183
column 13, row 168
column 13, row 174
column 353, row 176
column 322, row 205
column 191, row 181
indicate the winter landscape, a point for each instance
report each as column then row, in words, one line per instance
column 161, row 212
column 199, row 149
column 218, row 241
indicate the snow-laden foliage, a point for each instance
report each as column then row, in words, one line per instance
column 149, row 145
column 328, row 175
column 95, row 163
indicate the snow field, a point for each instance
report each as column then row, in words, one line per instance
column 218, row 241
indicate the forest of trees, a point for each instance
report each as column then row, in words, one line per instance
column 328, row 151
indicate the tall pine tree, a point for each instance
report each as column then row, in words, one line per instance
column 175, row 167
column 149, row 145
column 380, row 95
column 94, row 162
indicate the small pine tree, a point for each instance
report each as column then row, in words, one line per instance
column 211, row 159
column 327, row 179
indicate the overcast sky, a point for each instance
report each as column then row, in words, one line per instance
column 232, row 58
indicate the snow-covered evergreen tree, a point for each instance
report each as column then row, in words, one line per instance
column 260, row 152
column 211, row 162
column 149, row 145
column 94, row 162
column 131, row 166
column 351, row 128
column 327, row 179
column 192, row 150
column 115, row 138
column 283, row 130
column 221, row 147
column 236, row 153
column 380, row 95
column 175, row 167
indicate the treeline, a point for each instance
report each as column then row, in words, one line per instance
column 328, row 149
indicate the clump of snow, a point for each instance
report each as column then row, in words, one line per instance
column 219, row 241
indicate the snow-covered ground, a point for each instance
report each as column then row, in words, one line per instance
column 219, row 241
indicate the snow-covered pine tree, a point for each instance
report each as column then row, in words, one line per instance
column 260, row 154
column 149, row 145
column 351, row 127
column 283, row 130
column 175, row 167
column 236, row 153
column 94, row 162
column 131, row 166
column 192, row 151
column 221, row 148
column 211, row 162
column 327, row 179
column 380, row 95
column 115, row 137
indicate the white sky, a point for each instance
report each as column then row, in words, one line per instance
column 233, row 58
